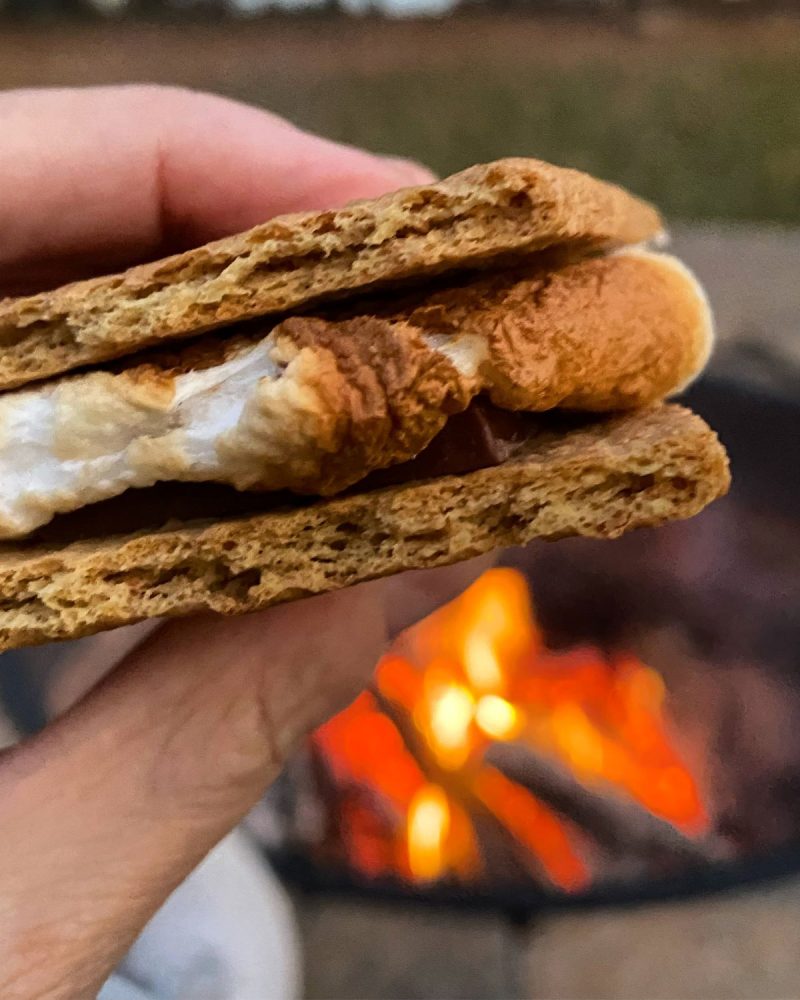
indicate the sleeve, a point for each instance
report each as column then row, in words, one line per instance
column 118, row 987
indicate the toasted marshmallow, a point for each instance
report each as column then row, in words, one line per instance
column 249, row 421
column 316, row 405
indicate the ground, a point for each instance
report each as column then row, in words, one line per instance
column 743, row 945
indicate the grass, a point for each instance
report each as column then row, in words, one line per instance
column 701, row 116
column 712, row 138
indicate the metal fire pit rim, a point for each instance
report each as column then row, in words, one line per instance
column 717, row 879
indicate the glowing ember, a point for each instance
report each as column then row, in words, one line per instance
column 448, row 714
column 474, row 675
column 497, row 718
column 481, row 663
column 428, row 826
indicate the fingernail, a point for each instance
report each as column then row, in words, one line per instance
column 410, row 171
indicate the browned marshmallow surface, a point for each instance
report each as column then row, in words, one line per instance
column 315, row 404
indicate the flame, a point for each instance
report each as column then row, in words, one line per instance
column 477, row 672
column 536, row 827
column 450, row 709
column 428, row 826
column 497, row 718
column 497, row 627
column 362, row 744
column 578, row 742
column 482, row 663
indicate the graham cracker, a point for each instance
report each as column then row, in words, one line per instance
column 507, row 209
column 599, row 478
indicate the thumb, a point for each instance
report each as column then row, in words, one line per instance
column 109, row 176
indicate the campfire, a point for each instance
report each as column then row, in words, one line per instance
column 625, row 730
column 480, row 755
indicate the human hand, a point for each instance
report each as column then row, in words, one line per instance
column 109, row 808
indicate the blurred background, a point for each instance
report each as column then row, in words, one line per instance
column 693, row 104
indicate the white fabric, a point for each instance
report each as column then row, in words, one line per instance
column 226, row 933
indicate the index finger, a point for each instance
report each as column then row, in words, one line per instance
column 94, row 179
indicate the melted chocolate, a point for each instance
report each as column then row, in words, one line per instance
column 478, row 438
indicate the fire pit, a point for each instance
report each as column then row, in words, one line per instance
column 593, row 721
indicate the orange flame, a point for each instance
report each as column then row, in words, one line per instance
column 536, row 827
column 447, row 715
column 428, row 827
column 477, row 671
column 497, row 718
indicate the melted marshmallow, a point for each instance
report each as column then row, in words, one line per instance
column 83, row 439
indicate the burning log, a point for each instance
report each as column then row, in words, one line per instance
column 478, row 673
column 620, row 825
column 361, row 823
column 334, row 792
column 502, row 857
column 340, row 798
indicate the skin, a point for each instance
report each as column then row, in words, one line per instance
column 112, row 805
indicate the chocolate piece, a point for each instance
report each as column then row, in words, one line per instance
column 478, row 438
